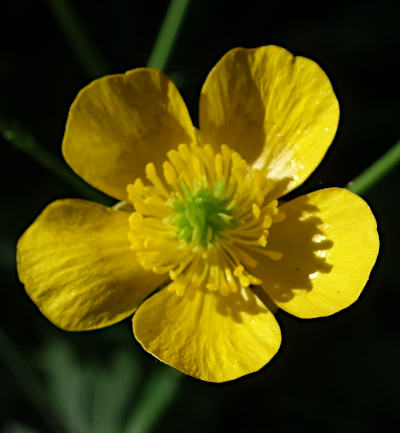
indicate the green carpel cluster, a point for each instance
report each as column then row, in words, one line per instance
column 204, row 214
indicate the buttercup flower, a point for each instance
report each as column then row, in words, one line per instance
column 202, row 218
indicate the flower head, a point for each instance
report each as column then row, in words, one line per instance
column 213, row 210
column 202, row 215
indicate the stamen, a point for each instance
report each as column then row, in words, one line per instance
column 205, row 222
column 151, row 174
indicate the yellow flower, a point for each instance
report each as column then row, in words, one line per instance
column 204, row 219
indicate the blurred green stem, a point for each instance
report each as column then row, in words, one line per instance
column 376, row 171
column 25, row 142
column 156, row 397
column 79, row 38
column 26, row 379
column 167, row 34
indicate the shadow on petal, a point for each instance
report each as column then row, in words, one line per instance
column 245, row 117
column 236, row 304
column 279, row 189
column 304, row 245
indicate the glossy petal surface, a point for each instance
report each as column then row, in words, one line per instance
column 119, row 123
column 77, row 266
column 279, row 111
column 212, row 337
column 329, row 243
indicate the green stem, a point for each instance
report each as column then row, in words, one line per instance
column 155, row 399
column 79, row 38
column 25, row 142
column 167, row 34
column 376, row 171
column 26, row 379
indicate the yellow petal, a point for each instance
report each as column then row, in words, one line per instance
column 329, row 243
column 278, row 111
column 212, row 337
column 77, row 266
column 119, row 123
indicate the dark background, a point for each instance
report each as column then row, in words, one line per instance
column 339, row 374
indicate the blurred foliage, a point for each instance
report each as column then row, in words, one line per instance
column 331, row 375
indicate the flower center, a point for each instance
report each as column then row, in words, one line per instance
column 206, row 223
column 203, row 214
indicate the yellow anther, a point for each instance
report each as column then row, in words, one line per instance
column 256, row 211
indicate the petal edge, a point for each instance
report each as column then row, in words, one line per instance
column 118, row 123
column 77, row 266
column 214, row 338
column 278, row 111
column 330, row 244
